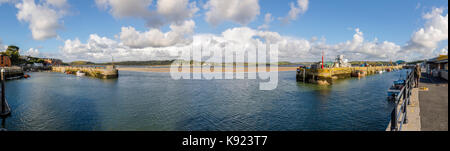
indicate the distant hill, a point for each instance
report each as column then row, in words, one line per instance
column 371, row 62
column 148, row 63
column 78, row 63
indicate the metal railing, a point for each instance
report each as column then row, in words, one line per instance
column 399, row 114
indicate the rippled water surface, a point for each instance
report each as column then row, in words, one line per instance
column 153, row 101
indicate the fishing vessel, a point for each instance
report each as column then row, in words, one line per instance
column 395, row 89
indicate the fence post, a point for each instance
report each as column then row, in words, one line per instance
column 405, row 111
column 394, row 119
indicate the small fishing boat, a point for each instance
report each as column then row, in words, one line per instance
column 380, row 72
column 395, row 89
column 80, row 74
column 26, row 76
column 358, row 73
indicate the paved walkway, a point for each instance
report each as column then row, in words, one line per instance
column 413, row 113
column 433, row 104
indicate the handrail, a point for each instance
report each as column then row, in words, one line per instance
column 402, row 101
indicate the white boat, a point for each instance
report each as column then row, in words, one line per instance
column 380, row 72
column 395, row 89
column 80, row 74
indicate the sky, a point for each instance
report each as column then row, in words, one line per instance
column 97, row 30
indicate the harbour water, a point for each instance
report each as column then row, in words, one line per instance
column 153, row 101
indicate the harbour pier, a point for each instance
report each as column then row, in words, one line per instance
column 5, row 110
column 13, row 72
column 108, row 72
column 325, row 76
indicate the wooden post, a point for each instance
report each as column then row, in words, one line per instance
column 3, row 91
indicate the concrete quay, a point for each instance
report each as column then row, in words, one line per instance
column 327, row 75
column 428, row 108
column 13, row 72
column 108, row 72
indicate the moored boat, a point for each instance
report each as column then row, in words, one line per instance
column 395, row 89
column 358, row 73
column 80, row 74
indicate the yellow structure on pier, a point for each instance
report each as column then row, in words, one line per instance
column 326, row 75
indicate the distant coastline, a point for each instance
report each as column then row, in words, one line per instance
column 203, row 70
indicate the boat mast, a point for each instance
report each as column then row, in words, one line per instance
column 322, row 59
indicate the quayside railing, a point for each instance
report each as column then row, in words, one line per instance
column 399, row 114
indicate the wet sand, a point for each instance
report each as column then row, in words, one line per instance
column 198, row 69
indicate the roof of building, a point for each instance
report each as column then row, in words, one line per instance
column 439, row 59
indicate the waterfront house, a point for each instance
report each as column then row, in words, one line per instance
column 5, row 61
column 438, row 67
column 38, row 65
column 52, row 62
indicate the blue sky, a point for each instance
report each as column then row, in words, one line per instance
column 336, row 21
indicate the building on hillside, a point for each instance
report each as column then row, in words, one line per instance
column 52, row 62
column 5, row 61
column 438, row 67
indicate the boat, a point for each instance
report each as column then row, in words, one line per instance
column 358, row 73
column 80, row 74
column 380, row 72
column 395, row 89
column 26, row 76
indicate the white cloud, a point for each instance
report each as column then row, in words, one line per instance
column 296, row 9
column 7, row 1
column 176, row 10
column 267, row 20
column 179, row 35
column 32, row 52
column 358, row 48
column 125, row 8
column 425, row 41
column 43, row 18
column 102, row 49
column 434, row 31
column 167, row 11
column 238, row 11
column 155, row 45
column 58, row 3
column 444, row 51
column 2, row 47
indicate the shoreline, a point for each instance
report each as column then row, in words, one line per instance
column 203, row 70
